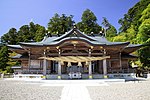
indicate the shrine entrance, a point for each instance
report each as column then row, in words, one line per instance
column 75, row 65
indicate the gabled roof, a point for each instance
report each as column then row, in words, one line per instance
column 73, row 34
column 129, row 56
column 15, row 46
column 76, row 35
column 19, row 56
column 16, row 67
column 131, row 48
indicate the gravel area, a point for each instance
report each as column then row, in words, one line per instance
column 19, row 90
column 121, row 91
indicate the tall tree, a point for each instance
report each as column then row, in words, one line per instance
column 32, row 30
column 60, row 24
column 23, row 34
column 144, row 36
column 40, row 33
column 133, row 15
column 26, row 33
column 10, row 37
column 4, row 56
column 105, row 23
column 110, row 30
column 136, row 29
column 89, row 23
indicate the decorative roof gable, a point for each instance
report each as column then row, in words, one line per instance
column 75, row 33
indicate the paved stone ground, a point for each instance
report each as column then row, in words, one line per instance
column 121, row 91
column 74, row 90
column 19, row 90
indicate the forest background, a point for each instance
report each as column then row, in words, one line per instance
column 135, row 28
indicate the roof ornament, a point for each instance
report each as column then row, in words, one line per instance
column 102, row 33
column 58, row 34
column 48, row 34
column 91, row 34
column 45, row 37
column 74, row 26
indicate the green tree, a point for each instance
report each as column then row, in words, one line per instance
column 133, row 15
column 40, row 33
column 105, row 23
column 60, row 24
column 136, row 29
column 32, row 30
column 26, row 33
column 111, row 33
column 89, row 23
column 110, row 30
column 119, row 38
column 4, row 56
column 129, row 35
column 10, row 37
column 23, row 34
column 144, row 37
column 11, row 62
column 144, row 32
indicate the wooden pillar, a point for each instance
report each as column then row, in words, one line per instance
column 120, row 62
column 100, row 66
column 59, row 66
column 90, row 66
column 29, row 60
column 59, row 70
column 90, row 70
column 44, row 64
column 105, row 66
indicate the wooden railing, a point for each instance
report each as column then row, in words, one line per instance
column 127, row 70
column 34, row 72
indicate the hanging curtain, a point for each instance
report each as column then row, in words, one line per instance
column 79, row 64
column 69, row 64
column 62, row 63
column 86, row 63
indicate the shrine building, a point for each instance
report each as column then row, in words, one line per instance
column 74, row 55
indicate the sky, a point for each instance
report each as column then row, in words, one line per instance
column 15, row 13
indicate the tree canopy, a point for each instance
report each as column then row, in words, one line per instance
column 26, row 33
column 60, row 24
column 110, row 30
column 89, row 23
column 4, row 56
column 135, row 27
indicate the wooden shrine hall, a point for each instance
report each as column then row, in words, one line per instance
column 74, row 55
